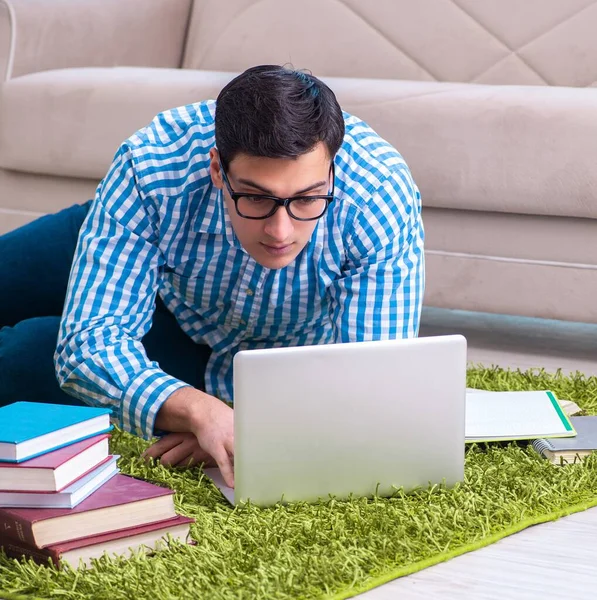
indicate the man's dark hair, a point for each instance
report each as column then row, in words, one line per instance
column 276, row 112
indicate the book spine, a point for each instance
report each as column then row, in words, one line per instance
column 541, row 446
column 16, row 529
column 15, row 549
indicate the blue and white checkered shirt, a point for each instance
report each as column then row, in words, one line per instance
column 158, row 225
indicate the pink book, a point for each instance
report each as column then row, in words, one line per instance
column 56, row 470
column 120, row 503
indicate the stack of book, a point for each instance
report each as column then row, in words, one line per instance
column 61, row 493
column 532, row 415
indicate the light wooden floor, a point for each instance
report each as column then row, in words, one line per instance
column 552, row 561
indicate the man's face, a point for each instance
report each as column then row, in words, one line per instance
column 276, row 241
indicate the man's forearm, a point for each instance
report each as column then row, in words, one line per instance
column 181, row 411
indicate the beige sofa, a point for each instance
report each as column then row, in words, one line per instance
column 492, row 102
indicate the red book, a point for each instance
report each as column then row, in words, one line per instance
column 121, row 503
column 56, row 470
column 149, row 537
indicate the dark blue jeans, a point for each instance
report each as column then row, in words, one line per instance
column 35, row 263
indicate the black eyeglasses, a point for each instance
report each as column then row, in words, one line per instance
column 263, row 206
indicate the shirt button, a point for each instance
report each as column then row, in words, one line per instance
column 250, row 292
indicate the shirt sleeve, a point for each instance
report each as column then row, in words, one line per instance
column 380, row 293
column 110, row 303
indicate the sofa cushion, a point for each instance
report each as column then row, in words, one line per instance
column 96, row 33
column 538, row 42
column 517, row 149
column 70, row 122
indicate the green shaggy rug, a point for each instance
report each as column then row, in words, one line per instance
column 333, row 549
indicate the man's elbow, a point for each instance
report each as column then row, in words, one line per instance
column 64, row 366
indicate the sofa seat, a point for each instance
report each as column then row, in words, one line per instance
column 507, row 173
column 493, row 104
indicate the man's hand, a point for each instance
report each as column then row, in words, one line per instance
column 210, row 420
column 214, row 427
column 179, row 450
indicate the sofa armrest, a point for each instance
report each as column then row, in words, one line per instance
column 91, row 33
column 6, row 39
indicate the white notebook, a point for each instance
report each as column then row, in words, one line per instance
column 502, row 416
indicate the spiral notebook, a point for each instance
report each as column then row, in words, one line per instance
column 570, row 450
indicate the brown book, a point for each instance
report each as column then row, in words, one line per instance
column 120, row 543
column 123, row 502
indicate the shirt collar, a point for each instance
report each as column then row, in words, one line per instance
column 212, row 215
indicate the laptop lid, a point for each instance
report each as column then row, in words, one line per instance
column 355, row 418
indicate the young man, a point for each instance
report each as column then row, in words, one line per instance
column 268, row 218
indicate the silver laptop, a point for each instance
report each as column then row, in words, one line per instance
column 357, row 418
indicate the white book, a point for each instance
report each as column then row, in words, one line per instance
column 502, row 416
column 69, row 497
